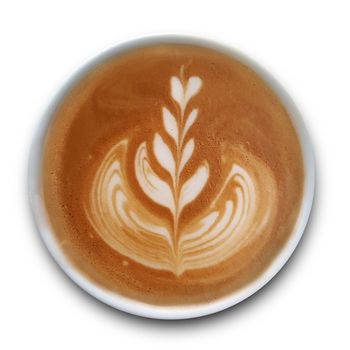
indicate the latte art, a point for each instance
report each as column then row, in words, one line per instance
column 171, row 175
column 239, row 211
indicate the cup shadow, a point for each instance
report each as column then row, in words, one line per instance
column 231, row 313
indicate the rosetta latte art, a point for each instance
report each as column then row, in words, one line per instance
column 239, row 212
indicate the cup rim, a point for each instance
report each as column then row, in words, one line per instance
column 130, row 305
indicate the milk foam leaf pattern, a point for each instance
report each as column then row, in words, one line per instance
column 113, row 209
column 244, row 201
column 170, row 125
column 163, row 154
column 190, row 120
column 182, row 94
column 193, row 86
column 177, row 90
column 186, row 154
column 194, row 185
column 152, row 185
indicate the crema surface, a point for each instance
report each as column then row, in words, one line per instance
column 171, row 174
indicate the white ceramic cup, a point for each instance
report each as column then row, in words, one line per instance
column 130, row 305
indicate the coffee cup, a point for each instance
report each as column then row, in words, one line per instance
column 178, row 216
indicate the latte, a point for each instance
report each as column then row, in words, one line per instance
column 171, row 174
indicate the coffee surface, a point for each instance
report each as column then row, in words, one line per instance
column 171, row 174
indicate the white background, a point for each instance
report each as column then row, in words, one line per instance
column 305, row 45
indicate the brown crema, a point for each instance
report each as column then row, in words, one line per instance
column 171, row 174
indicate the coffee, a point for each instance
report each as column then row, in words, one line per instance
column 171, row 174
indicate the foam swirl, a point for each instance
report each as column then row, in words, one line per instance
column 240, row 211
